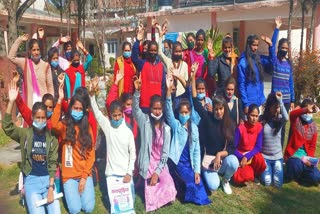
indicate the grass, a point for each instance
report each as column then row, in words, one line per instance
column 4, row 139
column 292, row 198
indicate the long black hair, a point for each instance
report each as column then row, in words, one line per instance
column 250, row 72
column 83, row 137
column 268, row 117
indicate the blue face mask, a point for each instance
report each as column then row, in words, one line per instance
column 54, row 64
column 201, row 96
column 184, row 119
column 49, row 114
column 39, row 125
column 306, row 117
column 127, row 54
column 68, row 55
column 35, row 59
column 77, row 115
column 116, row 123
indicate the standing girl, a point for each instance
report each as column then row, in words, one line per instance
column 248, row 142
column 155, row 134
column 39, row 154
column 78, row 154
column 53, row 59
column 37, row 77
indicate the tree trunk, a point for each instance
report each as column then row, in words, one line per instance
column 2, row 43
column 289, row 29
column 310, row 37
column 303, row 10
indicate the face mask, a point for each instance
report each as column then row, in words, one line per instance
column 184, row 119
column 176, row 58
column 76, row 115
column 116, row 123
column 283, row 53
column 201, row 96
column 128, row 110
column 39, row 125
column 306, row 117
column 190, row 45
column 68, row 55
column 152, row 57
column 127, row 54
column 49, row 114
column 75, row 64
column 36, row 59
column 229, row 97
column 167, row 52
column 54, row 64
column 156, row 117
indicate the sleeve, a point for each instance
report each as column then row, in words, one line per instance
column 112, row 96
column 172, row 121
column 313, row 144
column 57, row 126
column 240, row 109
column 213, row 67
column 291, row 85
column 237, row 138
column 201, row 111
column 285, row 116
column 24, row 110
column 297, row 113
column 242, row 84
column 50, row 87
column 64, row 105
column 137, row 112
column 132, row 154
column 90, row 159
column 63, row 63
column 56, row 44
column 12, row 56
column 163, row 82
column 165, row 151
column 163, row 57
column 272, row 49
column 102, row 120
column 135, row 56
column 115, row 70
column 197, row 157
column 257, row 147
column 53, row 157
column 88, row 61
column 10, row 128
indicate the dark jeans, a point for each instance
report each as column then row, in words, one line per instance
column 283, row 131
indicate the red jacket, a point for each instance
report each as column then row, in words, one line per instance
column 299, row 136
column 71, row 72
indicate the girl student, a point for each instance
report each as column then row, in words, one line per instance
column 159, row 188
column 119, row 139
column 78, row 154
column 39, row 154
column 37, row 76
column 274, row 118
column 53, row 59
column 248, row 142
column 185, row 149
column 219, row 146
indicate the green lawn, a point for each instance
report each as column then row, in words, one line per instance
column 3, row 138
column 292, row 198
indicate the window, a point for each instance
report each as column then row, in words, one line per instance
column 112, row 46
column 235, row 37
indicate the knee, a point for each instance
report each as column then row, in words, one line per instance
column 88, row 206
column 214, row 184
column 74, row 208
column 266, row 178
column 212, row 180
column 232, row 162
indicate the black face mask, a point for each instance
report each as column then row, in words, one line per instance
column 190, row 45
column 283, row 53
column 152, row 57
column 75, row 64
column 176, row 58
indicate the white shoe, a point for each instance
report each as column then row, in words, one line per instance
column 226, row 187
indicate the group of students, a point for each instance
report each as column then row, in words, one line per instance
column 168, row 129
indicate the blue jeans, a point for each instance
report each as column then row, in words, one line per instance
column 75, row 200
column 273, row 173
column 36, row 189
column 228, row 167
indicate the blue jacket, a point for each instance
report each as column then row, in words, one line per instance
column 135, row 56
column 251, row 92
column 180, row 137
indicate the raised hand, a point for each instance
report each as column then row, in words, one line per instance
column 169, row 81
column 154, row 21
column 194, row 69
column 119, row 76
column 40, row 32
column 137, row 83
column 13, row 91
column 79, row 44
column 61, row 78
column 93, row 85
column 65, row 39
column 266, row 40
column 16, row 77
column 210, row 45
column 25, row 37
column 279, row 95
column 278, row 22
column 140, row 32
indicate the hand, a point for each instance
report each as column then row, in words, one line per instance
column 61, row 93
column 137, row 83
column 197, row 178
column 315, row 109
column 154, row 21
column 25, row 37
column 194, row 69
column 13, row 91
column 310, row 108
column 210, row 46
column 246, row 110
column 16, row 77
column 217, row 163
column 243, row 162
column 266, row 40
column 291, row 106
column 307, row 163
column 169, row 82
column 164, row 29
column 79, row 44
column 65, row 39
column 154, row 179
column 40, row 32
column 61, row 78
column 179, row 39
column 50, row 197
column 278, row 22
column 93, row 85
column 140, row 33
column 119, row 76
column 279, row 95
column 82, row 184
column 209, row 107
column 127, row 178
column 174, row 71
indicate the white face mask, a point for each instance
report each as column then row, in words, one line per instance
column 156, row 117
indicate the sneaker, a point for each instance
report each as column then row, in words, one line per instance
column 226, row 187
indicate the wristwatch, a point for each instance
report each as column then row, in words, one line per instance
column 51, row 186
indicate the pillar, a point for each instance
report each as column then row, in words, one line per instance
column 213, row 19
column 242, row 36
column 316, row 32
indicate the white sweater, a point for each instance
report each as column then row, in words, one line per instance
column 121, row 151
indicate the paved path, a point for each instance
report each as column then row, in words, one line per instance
column 10, row 154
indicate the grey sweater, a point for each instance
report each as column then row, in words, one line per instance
column 271, row 146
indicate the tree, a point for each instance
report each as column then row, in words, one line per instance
column 313, row 12
column 289, row 28
column 15, row 12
